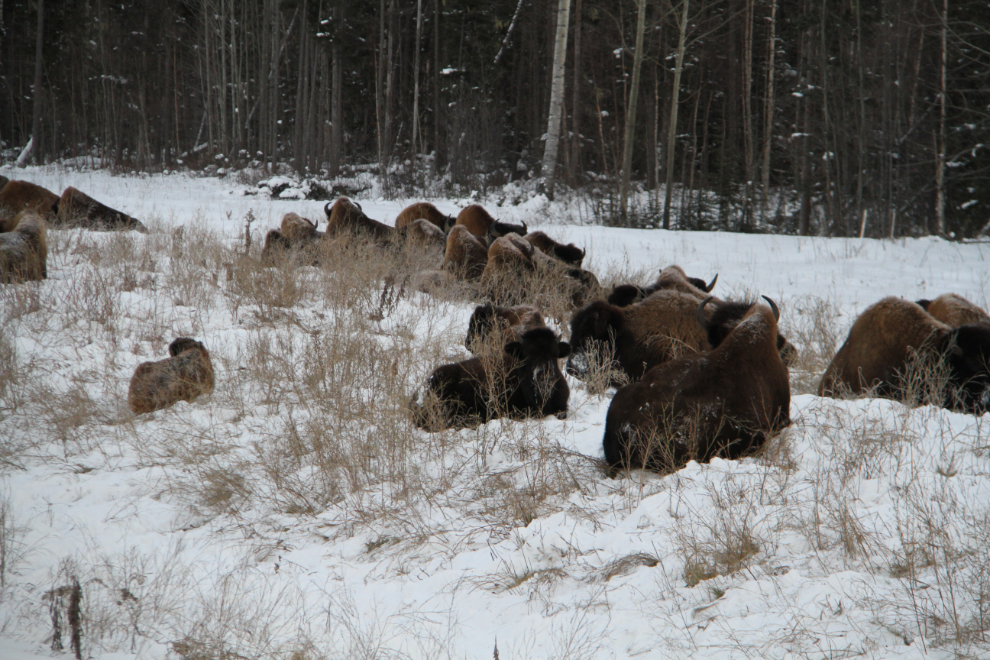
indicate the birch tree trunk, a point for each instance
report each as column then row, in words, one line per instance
column 36, row 91
column 556, row 97
column 672, row 128
column 415, row 117
column 576, row 104
column 627, row 145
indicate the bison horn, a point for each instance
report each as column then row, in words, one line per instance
column 702, row 321
column 326, row 209
column 773, row 307
column 711, row 285
column 584, row 252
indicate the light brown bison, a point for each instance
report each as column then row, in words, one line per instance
column 77, row 209
column 182, row 377
column 298, row 229
column 345, row 216
column 523, row 381
column 465, row 256
column 17, row 196
column 496, row 325
column 480, row 223
column 24, row 249
column 670, row 278
column 897, row 350
column 424, row 211
column 569, row 254
column 424, row 233
column 954, row 310
column 726, row 402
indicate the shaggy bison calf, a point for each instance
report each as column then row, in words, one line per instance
column 899, row 351
column 182, row 377
column 24, row 250
column 722, row 403
column 954, row 310
column 523, row 381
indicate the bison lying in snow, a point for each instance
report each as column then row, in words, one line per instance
column 345, row 216
column 523, row 381
column 24, row 249
column 17, row 196
column 898, row 350
column 423, row 233
column 182, row 377
column 424, row 211
column 569, row 254
column 479, row 222
column 722, row 403
column 465, row 255
column 494, row 325
column 670, row 278
column 77, row 209
column 296, row 233
column 954, row 310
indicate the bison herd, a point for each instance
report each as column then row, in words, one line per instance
column 697, row 377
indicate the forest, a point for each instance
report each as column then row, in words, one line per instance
column 810, row 117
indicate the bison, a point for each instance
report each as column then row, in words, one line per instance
column 670, row 278
column 77, row 209
column 182, row 377
column 345, row 216
column 480, row 223
column 465, row 256
column 722, row 403
column 494, row 324
column 424, row 233
column 569, row 254
column 24, row 249
column 523, row 381
column 17, row 196
column 424, row 211
column 954, row 310
column 897, row 350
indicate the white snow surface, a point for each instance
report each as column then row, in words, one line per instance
column 870, row 540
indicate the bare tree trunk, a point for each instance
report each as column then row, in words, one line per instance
column 556, row 97
column 747, row 108
column 627, row 145
column 576, row 104
column 415, row 117
column 672, row 128
column 436, row 86
column 336, row 111
column 768, row 108
column 940, row 167
column 38, row 153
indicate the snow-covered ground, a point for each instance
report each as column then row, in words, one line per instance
column 268, row 521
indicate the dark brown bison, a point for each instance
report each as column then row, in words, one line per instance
column 3, row 181
column 523, row 381
column 897, row 350
column 670, row 278
column 569, row 254
column 345, row 216
column 182, row 377
column 722, row 403
column 480, row 223
column 17, row 196
column 495, row 325
column 465, row 256
column 954, row 310
column 77, row 209
column 424, row 211
column 24, row 250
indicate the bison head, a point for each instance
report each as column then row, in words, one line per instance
column 542, row 384
column 968, row 356
column 593, row 331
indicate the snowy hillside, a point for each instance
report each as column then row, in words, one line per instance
column 296, row 513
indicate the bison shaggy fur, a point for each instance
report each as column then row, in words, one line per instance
column 465, row 256
column 524, row 380
column 954, row 310
column 77, row 209
column 897, row 350
column 345, row 216
column 17, row 196
column 424, row 211
column 24, row 249
column 724, row 403
column 183, row 376
column 493, row 324
column 671, row 278
column 569, row 254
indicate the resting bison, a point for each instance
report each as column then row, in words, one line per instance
column 424, row 233
column 298, row 229
column 17, row 196
column 465, row 256
column 424, row 211
column 346, row 216
column 899, row 351
column 523, row 381
column 492, row 324
column 24, row 250
column 480, row 223
column 722, row 403
column 569, row 254
column 295, row 235
column 670, row 278
column 182, row 377
column 954, row 310
column 77, row 209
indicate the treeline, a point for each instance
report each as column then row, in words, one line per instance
column 810, row 116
